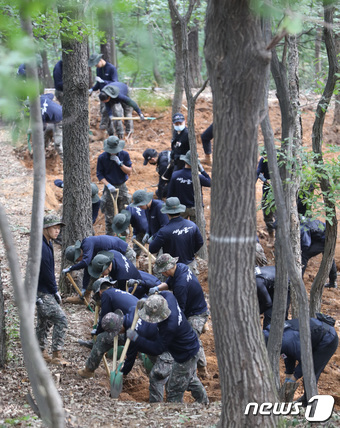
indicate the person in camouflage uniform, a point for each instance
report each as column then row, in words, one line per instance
column 178, row 338
column 48, row 300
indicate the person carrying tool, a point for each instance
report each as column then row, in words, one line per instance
column 180, row 141
column 312, row 239
column 117, row 93
column 324, row 344
column 114, row 167
column 178, row 338
column 181, row 185
column 156, row 219
column 115, row 265
column 52, row 116
column 82, row 253
column 181, row 238
column 162, row 161
column 48, row 301
column 189, row 294
column 135, row 217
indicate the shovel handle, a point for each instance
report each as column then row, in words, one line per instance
column 115, row 203
column 132, row 118
column 115, row 350
column 106, row 365
column 127, row 343
column 134, row 287
column 152, row 257
column 86, row 303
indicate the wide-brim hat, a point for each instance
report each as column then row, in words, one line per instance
column 73, row 252
column 186, row 158
column 121, row 221
column 97, row 284
column 111, row 90
column 94, row 59
column 140, row 198
column 100, row 263
column 113, row 145
column 94, row 193
column 173, row 206
column 52, row 220
column 113, row 322
column 164, row 262
column 155, row 309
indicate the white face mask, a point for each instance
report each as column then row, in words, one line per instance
column 179, row 128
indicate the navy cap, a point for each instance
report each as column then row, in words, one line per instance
column 178, row 117
column 148, row 154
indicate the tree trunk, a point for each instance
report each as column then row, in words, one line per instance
column 317, row 133
column 195, row 78
column 47, row 78
column 336, row 118
column 237, row 61
column 77, row 206
column 108, row 49
column 179, row 67
column 3, row 347
column 317, row 57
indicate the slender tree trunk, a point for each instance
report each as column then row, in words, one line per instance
column 336, row 118
column 317, row 133
column 108, row 49
column 317, row 58
column 195, row 78
column 237, row 61
column 3, row 346
column 48, row 81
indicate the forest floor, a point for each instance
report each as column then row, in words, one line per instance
column 87, row 402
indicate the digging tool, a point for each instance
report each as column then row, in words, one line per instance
column 133, row 118
column 114, row 361
column 106, row 365
column 116, row 380
column 134, row 287
column 86, row 303
column 152, row 257
column 115, row 202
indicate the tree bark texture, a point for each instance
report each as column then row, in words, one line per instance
column 77, row 206
column 336, row 118
column 237, row 61
column 3, row 348
column 108, row 49
column 317, row 134
column 195, row 78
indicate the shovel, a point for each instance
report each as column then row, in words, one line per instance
column 114, row 361
column 116, row 380
column 115, row 203
column 86, row 303
column 134, row 287
column 151, row 256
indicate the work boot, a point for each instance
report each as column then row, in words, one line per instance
column 207, row 159
column 86, row 373
column 331, row 285
column 46, row 357
column 76, row 300
column 58, row 359
column 202, row 372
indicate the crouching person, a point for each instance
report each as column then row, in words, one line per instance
column 48, row 300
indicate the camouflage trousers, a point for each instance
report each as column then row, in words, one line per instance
column 159, row 376
column 197, row 323
column 130, row 254
column 50, row 313
column 103, row 343
column 183, row 378
column 115, row 126
column 54, row 132
column 190, row 214
column 124, row 198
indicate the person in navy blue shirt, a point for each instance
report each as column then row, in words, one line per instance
column 176, row 336
column 115, row 265
column 189, row 294
column 82, row 253
column 181, row 186
column 324, row 344
column 144, row 284
column 262, row 173
column 52, row 116
column 181, row 238
column 180, row 140
column 156, row 219
column 206, row 138
column 161, row 161
column 48, row 300
column 58, row 81
column 114, row 167
column 118, row 93
column 312, row 239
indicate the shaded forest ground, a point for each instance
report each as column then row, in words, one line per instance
column 81, row 397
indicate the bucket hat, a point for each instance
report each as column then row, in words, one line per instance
column 73, row 252
column 164, row 262
column 141, row 197
column 148, row 154
column 111, row 90
column 186, row 158
column 52, row 220
column 113, row 145
column 94, row 193
column 178, row 117
column 173, row 206
column 121, row 221
column 100, row 263
column 155, row 309
column 94, row 59
column 113, row 321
